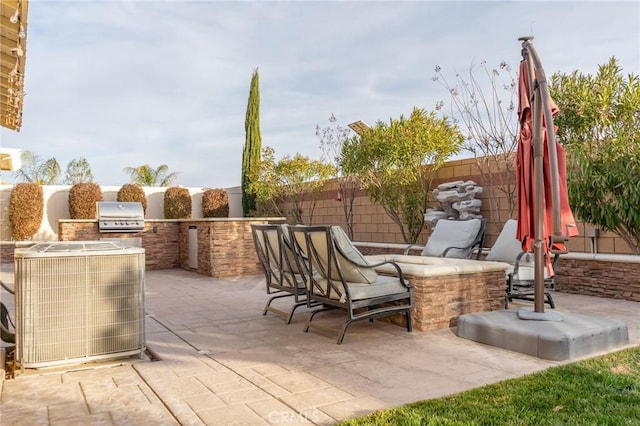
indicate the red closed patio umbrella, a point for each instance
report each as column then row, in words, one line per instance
column 545, row 220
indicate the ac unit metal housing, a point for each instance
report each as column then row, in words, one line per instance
column 78, row 302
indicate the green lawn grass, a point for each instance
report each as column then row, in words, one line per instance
column 598, row 391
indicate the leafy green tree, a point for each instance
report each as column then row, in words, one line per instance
column 332, row 138
column 599, row 124
column 297, row 180
column 396, row 161
column 252, row 145
column 36, row 170
column 78, row 171
column 146, row 175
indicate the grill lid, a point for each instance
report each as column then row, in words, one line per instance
column 116, row 216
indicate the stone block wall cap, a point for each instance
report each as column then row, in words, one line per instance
column 426, row 266
column 602, row 257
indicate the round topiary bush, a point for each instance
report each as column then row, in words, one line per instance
column 133, row 193
column 26, row 207
column 215, row 203
column 82, row 200
column 177, row 203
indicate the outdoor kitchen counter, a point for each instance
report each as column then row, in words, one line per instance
column 446, row 288
column 218, row 247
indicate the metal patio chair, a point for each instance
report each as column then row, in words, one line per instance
column 280, row 269
column 454, row 238
column 338, row 276
column 7, row 327
column 520, row 278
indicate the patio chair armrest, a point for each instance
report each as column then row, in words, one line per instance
column 444, row 253
column 412, row 247
column 399, row 273
column 519, row 259
column 4, row 286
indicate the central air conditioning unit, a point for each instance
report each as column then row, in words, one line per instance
column 78, row 302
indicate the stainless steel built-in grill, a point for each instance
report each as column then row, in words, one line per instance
column 115, row 216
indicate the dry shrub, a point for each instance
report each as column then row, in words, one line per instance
column 177, row 203
column 133, row 193
column 82, row 200
column 26, row 208
column 215, row 203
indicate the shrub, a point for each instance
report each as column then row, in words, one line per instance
column 132, row 192
column 215, row 203
column 177, row 203
column 82, row 200
column 26, row 206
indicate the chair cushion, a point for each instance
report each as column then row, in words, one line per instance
column 383, row 286
column 351, row 272
column 452, row 233
column 506, row 247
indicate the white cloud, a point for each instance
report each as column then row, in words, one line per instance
column 131, row 83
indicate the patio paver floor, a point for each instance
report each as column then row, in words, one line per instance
column 223, row 362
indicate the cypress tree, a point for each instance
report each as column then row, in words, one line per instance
column 252, row 144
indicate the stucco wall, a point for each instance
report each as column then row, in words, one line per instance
column 56, row 206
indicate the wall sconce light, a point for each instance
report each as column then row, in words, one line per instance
column 338, row 196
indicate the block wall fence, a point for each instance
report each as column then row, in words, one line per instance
column 371, row 223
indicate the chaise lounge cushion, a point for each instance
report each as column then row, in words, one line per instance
column 452, row 233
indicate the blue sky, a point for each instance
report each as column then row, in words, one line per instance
column 166, row 82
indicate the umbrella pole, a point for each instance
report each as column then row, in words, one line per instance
column 538, row 181
column 538, row 249
column 539, row 97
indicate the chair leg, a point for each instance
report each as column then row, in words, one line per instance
column 343, row 330
column 313, row 314
column 407, row 315
column 552, row 304
column 293, row 310
column 268, row 305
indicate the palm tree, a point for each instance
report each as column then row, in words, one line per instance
column 146, row 175
column 37, row 171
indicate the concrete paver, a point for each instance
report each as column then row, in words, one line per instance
column 221, row 362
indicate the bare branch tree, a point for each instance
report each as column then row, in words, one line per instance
column 332, row 139
column 486, row 108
